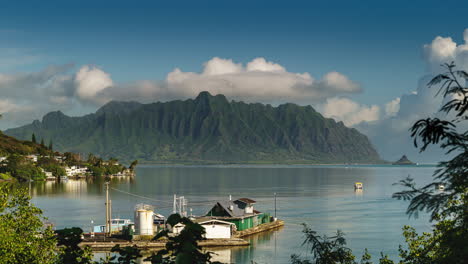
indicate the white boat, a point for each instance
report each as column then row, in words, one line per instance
column 358, row 185
column 116, row 225
column 63, row 178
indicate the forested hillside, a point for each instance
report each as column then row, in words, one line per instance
column 205, row 129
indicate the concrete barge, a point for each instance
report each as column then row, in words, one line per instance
column 101, row 244
column 105, row 246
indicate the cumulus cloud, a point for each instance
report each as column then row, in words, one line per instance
column 392, row 107
column 259, row 80
column 90, row 81
column 391, row 133
column 348, row 111
column 444, row 50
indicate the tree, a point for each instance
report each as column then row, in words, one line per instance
column 70, row 252
column 22, row 169
column 184, row 247
column 133, row 165
column 127, row 255
column 42, row 142
column 51, row 146
column 325, row 250
column 449, row 209
column 33, row 138
column 23, row 236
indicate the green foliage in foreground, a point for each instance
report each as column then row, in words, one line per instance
column 68, row 239
column 23, row 237
column 22, row 169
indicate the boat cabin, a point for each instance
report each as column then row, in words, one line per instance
column 358, row 185
column 116, row 225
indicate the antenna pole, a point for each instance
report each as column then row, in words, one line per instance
column 110, row 217
column 275, row 205
column 107, row 208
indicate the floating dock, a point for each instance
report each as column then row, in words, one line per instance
column 102, row 244
column 105, row 246
column 259, row 229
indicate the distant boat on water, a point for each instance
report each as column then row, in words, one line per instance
column 358, row 185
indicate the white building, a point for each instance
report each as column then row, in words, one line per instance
column 214, row 228
column 217, row 229
column 75, row 170
column 33, row 158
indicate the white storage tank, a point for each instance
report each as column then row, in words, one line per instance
column 144, row 215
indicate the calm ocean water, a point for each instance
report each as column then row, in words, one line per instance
column 321, row 196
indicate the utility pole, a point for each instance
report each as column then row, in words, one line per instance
column 110, row 217
column 275, row 206
column 107, row 209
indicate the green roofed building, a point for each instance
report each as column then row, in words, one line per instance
column 240, row 212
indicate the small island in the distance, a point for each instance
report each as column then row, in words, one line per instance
column 404, row 161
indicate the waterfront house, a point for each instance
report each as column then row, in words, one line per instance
column 240, row 212
column 75, row 170
column 33, row 158
column 214, row 228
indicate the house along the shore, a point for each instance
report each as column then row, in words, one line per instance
column 240, row 212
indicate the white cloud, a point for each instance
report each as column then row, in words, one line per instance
column 259, row 80
column 392, row 107
column 7, row 106
column 445, row 50
column 348, row 111
column 90, row 81
column 391, row 134
column 260, row 64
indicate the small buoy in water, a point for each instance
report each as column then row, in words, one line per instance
column 358, row 185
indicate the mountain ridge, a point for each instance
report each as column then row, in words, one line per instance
column 205, row 129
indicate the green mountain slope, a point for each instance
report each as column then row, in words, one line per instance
column 10, row 145
column 206, row 129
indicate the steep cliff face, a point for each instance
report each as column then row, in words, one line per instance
column 205, row 129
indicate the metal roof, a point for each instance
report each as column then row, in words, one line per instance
column 233, row 210
column 246, row 200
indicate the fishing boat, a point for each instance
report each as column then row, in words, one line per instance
column 63, row 178
column 159, row 219
column 358, row 185
column 116, row 225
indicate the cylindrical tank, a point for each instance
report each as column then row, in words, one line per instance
column 144, row 220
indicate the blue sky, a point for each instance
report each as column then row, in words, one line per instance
column 375, row 43
column 363, row 59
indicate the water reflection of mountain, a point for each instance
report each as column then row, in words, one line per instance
column 74, row 187
column 220, row 180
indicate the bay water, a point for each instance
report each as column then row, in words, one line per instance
column 323, row 197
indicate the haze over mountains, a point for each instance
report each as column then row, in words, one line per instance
column 205, row 129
